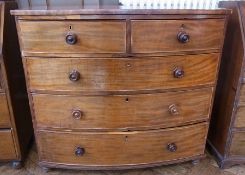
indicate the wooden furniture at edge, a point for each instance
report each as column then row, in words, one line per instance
column 15, row 118
column 227, row 130
column 115, row 88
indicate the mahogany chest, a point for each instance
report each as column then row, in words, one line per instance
column 115, row 88
column 15, row 118
column 227, row 132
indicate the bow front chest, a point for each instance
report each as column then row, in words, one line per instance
column 114, row 88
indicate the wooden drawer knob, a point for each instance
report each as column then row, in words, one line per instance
column 173, row 110
column 79, row 151
column 183, row 37
column 77, row 114
column 71, row 39
column 74, row 75
column 179, row 73
column 172, row 147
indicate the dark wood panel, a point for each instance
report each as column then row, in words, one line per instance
column 122, row 148
column 15, row 90
column 122, row 74
column 7, row 145
column 161, row 36
column 122, row 112
column 85, row 36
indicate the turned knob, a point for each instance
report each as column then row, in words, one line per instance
column 172, row 147
column 173, row 109
column 74, row 75
column 183, row 37
column 179, row 73
column 71, row 39
column 77, row 114
column 79, row 151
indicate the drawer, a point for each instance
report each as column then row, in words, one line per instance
column 238, row 144
column 4, row 112
column 122, row 148
column 73, row 74
column 73, row 36
column 161, row 35
column 7, row 148
column 242, row 96
column 129, row 112
column 240, row 117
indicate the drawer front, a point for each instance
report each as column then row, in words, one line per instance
column 162, row 35
column 122, row 112
column 92, row 75
column 4, row 112
column 240, row 117
column 238, row 144
column 7, row 148
column 73, row 36
column 122, row 148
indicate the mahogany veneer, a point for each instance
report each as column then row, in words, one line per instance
column 15, row 118
column 114, row 88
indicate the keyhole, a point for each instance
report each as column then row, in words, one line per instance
column 126, row 138
column 70, row 27
column 127, row 100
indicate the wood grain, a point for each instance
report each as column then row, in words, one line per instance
column 240, row 117
column 4, row 112
column 121, row 148
column 161, row 36
column 124, row 74
column 7, row 145
column 238, row 144
column 122, row 112
column 92, row 36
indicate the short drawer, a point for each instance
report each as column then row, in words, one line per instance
column 73, row 37
column 238, row 144
column 176, row 35
column 7, row 148
column 240, row 117
column 90, row 75
column 4, row 112
column 125, row 112
column 122, row 148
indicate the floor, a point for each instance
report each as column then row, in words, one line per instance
column 206, row 167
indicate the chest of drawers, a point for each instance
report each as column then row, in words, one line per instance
column 15, row 118
column 114, row 88
column 227, row 132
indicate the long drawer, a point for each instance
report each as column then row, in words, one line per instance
column 104, row 74
column 4, row 112
column 73, row 36
column 7, row 149
column 121, row 148
column 161, row 35
column 125, row 112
